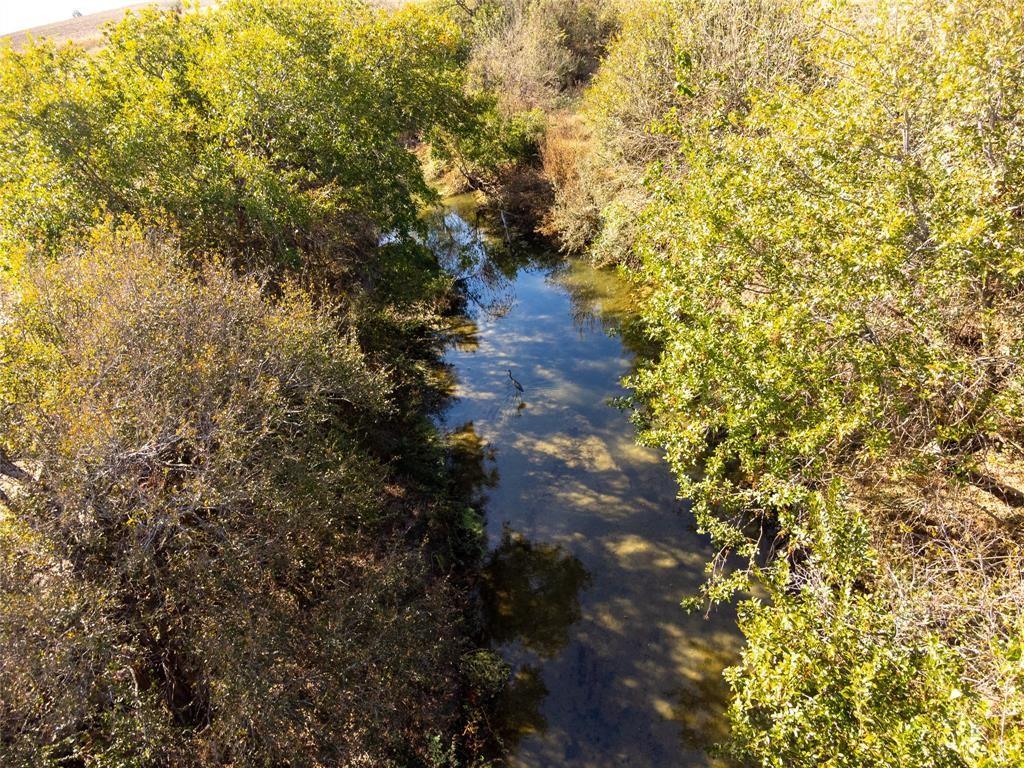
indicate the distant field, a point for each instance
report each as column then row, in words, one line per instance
column 86, row 31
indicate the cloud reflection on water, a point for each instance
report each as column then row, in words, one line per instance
column 591, row 550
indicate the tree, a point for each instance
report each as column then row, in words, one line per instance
column 269, row 132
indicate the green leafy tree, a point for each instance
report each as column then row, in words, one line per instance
column 267, row 131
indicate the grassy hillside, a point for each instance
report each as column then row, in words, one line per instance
column 85, row 31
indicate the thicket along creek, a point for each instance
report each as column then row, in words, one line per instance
column 590, row 551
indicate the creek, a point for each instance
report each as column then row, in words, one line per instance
column 590, row 551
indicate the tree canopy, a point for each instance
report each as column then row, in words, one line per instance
column 267, row 131
column 226, row 529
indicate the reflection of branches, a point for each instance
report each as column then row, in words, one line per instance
column 531, row 595
column 463, row 252
column 517, row 712
column 483, row 256
column 600, row 299
column 586, row 299
column 472, row 463
column 585, row 309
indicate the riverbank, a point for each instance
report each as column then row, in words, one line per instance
column 818, row 207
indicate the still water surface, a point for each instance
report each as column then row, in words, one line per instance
column 590, row 551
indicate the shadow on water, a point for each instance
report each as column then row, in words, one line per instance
column 530, row 598
column 590, row 550
column 531, row 594
column 473, row 469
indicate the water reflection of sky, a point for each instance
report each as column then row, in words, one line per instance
column 591, row 552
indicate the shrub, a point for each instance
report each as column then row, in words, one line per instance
column 688, row 62
column 531, row 52
column 821, row 203
column 836, row 284
column 826, row 681
column 197, row 565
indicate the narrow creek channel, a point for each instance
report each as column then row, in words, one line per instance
column 590, row 551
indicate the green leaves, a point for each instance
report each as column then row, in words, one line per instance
column 825, row 681
column 258, row 130
column 824, row 204
column 812, row 272
column 205, row 346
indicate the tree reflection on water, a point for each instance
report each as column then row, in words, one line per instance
column 530, row 595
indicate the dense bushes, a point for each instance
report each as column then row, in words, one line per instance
column 270, row 132
column 836, row 683
column 195, row 568
column 531, row 52
column 683, row 60
column 824, row 201
column 523, row 59
column 226, row 527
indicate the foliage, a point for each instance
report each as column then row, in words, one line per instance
column 530, row 52
column 838, row 277
column 831, row 677
column 523, row 58
column 266, row 131
column 678, row 59
column 822, row 201
column 829, row 683
column 196, row 563
column 495, row 147
column 227, row 522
